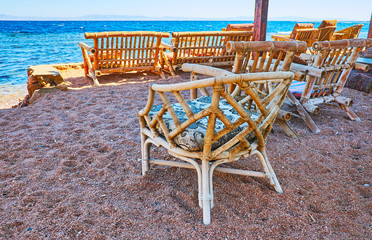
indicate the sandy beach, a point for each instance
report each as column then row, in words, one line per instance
column 69, row 169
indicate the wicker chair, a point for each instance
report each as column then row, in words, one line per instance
column 256, row 56
column 214, row 129
column 117, row 52
column 327, row 71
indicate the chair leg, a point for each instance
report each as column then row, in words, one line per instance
column 304, row 115
column 145, row 152
column 350, row 113
column 206, row 193
column 286, row 128
column 269, row 171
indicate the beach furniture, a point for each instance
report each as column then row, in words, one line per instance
column 301, row 32
column 207, row 48
column 117, row 52
column 326, row 73
column 239, row 27
column 348, row 33
column 306, row 32
column 214, row 129
column 256, row 56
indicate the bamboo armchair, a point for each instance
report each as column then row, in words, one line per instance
column 256, row 56
column 207, row 48
column 301, row 32
column 239, row 27
column 213, row 130
column 326, row 30
column 327, row 72
column 117, row 52
column 348, row 33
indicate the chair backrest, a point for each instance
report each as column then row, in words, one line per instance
column 335, row 59
column 207, row 48
column 300, row 26
column 239, row 27
column 264, row 56
column 126, row 50
column 349, row 32
column 309, row 35
column 327, row 23
column 326, row 33
column 255, row 114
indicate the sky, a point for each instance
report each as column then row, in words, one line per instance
column 316, row 9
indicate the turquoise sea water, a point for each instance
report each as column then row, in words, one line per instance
column 25, row 43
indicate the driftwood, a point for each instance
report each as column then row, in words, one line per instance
column 249, row 140
column 116, row 52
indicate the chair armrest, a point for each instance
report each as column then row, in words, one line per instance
column 312, row 71
column 86, row 47
column 205, row 70
column 169, row 47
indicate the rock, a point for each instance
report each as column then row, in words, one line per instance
column 42, row 76
column 41, row 92
column 62, row 87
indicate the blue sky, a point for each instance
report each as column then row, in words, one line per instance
column 317, row 9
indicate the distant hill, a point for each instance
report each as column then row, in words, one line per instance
column 97, row 17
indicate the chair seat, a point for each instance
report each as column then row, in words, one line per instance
column 192, row 138
column 297, row 88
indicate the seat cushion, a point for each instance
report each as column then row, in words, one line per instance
column 297, row 88
column 192, row 138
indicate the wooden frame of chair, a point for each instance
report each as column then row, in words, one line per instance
column 246, row 142
column 348, row 33
column 334, row 61
column 207, row 48
column 117, row 52
column 258, row 56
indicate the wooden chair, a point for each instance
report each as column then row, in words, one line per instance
column 207, row 48
column 348, row 33
column 116, row 52
column 328, row 70
column 326, row 30
column 256, row 56
column 301, row 32
column 239, row 27
column 214, row 129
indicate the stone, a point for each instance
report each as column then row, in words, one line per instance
column 41, row 92
column 42, row 76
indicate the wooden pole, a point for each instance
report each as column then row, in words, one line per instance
column 370, row 28
column 260, row 20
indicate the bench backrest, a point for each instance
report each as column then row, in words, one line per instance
column 207, row 48
column 126, row 51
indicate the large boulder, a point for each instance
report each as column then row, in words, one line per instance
column 42, row 76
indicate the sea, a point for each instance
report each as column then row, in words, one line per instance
column 27, row 43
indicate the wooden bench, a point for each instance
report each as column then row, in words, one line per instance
column 117, row 52
column 206, row 48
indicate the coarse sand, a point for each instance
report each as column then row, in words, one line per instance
column 69, row 169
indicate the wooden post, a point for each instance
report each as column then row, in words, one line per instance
column 260, row 20
column 370, row 28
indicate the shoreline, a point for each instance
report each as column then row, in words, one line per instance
column 11, row 95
